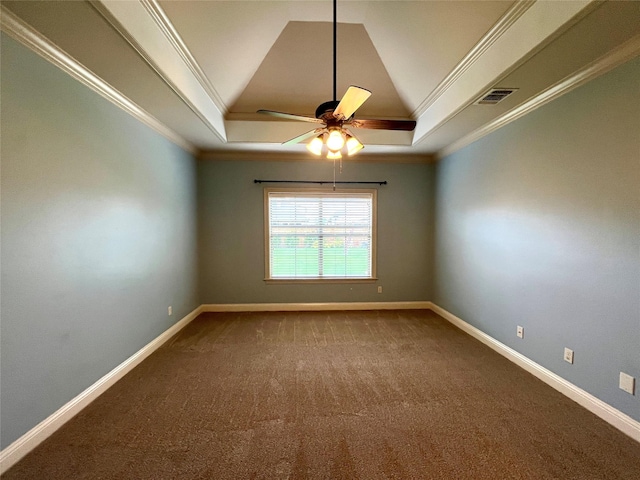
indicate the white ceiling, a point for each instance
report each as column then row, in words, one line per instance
column 203, row 68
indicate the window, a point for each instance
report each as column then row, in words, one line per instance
column 320, row 235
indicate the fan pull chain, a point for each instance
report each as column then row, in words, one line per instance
column 334, row 174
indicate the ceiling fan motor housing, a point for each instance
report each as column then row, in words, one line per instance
column 326, row 107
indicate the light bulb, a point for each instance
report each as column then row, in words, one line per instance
column 353, row 146
column 334, row 155
column 336, row 140
column 315, row 146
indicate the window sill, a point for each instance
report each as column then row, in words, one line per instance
column 275, row 281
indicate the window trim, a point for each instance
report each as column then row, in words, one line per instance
column 374, row 235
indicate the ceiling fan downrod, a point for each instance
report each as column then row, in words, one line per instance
column 337, row 116
column 325, row 109
column 335, row 49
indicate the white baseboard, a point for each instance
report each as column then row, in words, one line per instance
column 311, row 307
column 611, row 415
column 27, row 442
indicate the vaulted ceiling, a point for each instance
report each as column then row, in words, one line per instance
column 200, row 69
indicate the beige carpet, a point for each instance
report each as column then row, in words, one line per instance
column 331, row 395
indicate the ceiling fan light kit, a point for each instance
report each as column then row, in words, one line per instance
column 337, row 141
column 336, row 115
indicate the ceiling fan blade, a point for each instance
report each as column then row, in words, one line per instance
column 303, row 137
column 406, row 125
column 291, row 116
column 351, row 101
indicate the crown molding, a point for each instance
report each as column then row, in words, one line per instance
column 536, row 26
column 30, row 38
column 242, row 155
column 616, row 57
column 140, row 24
column 504, row 23
column 162, row 20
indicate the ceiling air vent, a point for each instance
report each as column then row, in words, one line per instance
column 495, row 95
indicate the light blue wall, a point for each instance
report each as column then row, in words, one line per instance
column 98, row 238
column 231, row 232
column 538, row 224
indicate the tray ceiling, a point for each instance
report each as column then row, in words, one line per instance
column 202, row 68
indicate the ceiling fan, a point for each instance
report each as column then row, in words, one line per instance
column 335, row 116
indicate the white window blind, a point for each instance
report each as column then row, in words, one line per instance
column 320, row 235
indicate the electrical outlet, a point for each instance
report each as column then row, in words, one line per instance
column 379, row 288
column 568, row 355
column 520, row 331
column 170, row 310
column 627, row 383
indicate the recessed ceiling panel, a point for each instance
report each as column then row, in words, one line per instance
column 297, row 74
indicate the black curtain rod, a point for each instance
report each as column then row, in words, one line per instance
column 321, row 182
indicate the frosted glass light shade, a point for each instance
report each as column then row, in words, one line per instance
column 353, row 146
column 315, row 146
column 335, row 141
